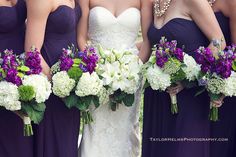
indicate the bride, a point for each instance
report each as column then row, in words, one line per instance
column 111, row 24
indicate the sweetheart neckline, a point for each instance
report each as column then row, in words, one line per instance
column 116, row 17
column 173, row 19
column 61, row 6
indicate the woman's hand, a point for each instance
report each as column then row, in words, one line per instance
column 175, row 89
column 218, row 103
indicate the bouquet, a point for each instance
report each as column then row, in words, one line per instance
column 216, row 75
column 23, row 89
column 169, row 65
column 120, row 73
column 75, row 80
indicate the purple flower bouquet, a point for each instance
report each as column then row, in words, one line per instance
column 75, row 80
column 169, row 65
column 23, row 89
column 216, row 75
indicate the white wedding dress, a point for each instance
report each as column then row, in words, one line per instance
column 113, row 133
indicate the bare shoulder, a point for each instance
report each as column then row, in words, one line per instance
column 231, row 4
column 84, row 3
column 197, row 6
column 145, row 3
column 40, row 5
column 195, row 3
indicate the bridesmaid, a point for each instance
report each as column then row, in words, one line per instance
column 226, row 126
column 51, row 26
column 12, row 34
column 172, row 19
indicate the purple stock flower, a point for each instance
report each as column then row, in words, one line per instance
column 66, row 60
column 33, row 61
column 66, row 63
column 13, row 77
column 179, row 54
column 165, row 50
column 9, row 60
column 221, row 66
column 89, row 58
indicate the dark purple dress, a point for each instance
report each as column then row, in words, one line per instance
column 226, row 126
column 12, row 34
column 192, row 120
column 57, row 135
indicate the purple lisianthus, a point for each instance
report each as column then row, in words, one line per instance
column 202, row 82
column 83, row 67
column 33, row 61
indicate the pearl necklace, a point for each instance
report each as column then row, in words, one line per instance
column 211, row 2
column 157, row 8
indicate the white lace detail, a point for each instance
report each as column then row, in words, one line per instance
column 113, row 134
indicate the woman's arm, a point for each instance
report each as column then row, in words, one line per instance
column 232, row 17
column 82, row 36
column 146, row 20
column 202, row 14
column 37, row 15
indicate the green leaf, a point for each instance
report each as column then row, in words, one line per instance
column 128, row 100
column 35, row 116
column 96, row 101
column 71, row 101
column 214, row 97
column 84, row 103
column 39, row 107
column 118, row 96
column 21, row 75
column 146, row 85
column 179, row 76
column 77, row 61
column 200, row 92
column 23, row 68
column 234, row 65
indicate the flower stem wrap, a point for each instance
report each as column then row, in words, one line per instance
column 174, row 106
column 28, row 131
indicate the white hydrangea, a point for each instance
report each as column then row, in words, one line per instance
column 41, row 85
column 9, row 96
column 216, row 85
column 157, row 79
column 89, row 84
column 103, row 96
column 62, row 84
column 192, row 69
column 230, row 85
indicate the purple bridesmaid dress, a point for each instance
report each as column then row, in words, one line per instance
column 12, row 34
column 192, row 120
column 226, row 126
column 57, row 135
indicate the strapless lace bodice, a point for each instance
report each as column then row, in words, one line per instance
column 114, row 32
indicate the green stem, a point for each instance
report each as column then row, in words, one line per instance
column 214, row 114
